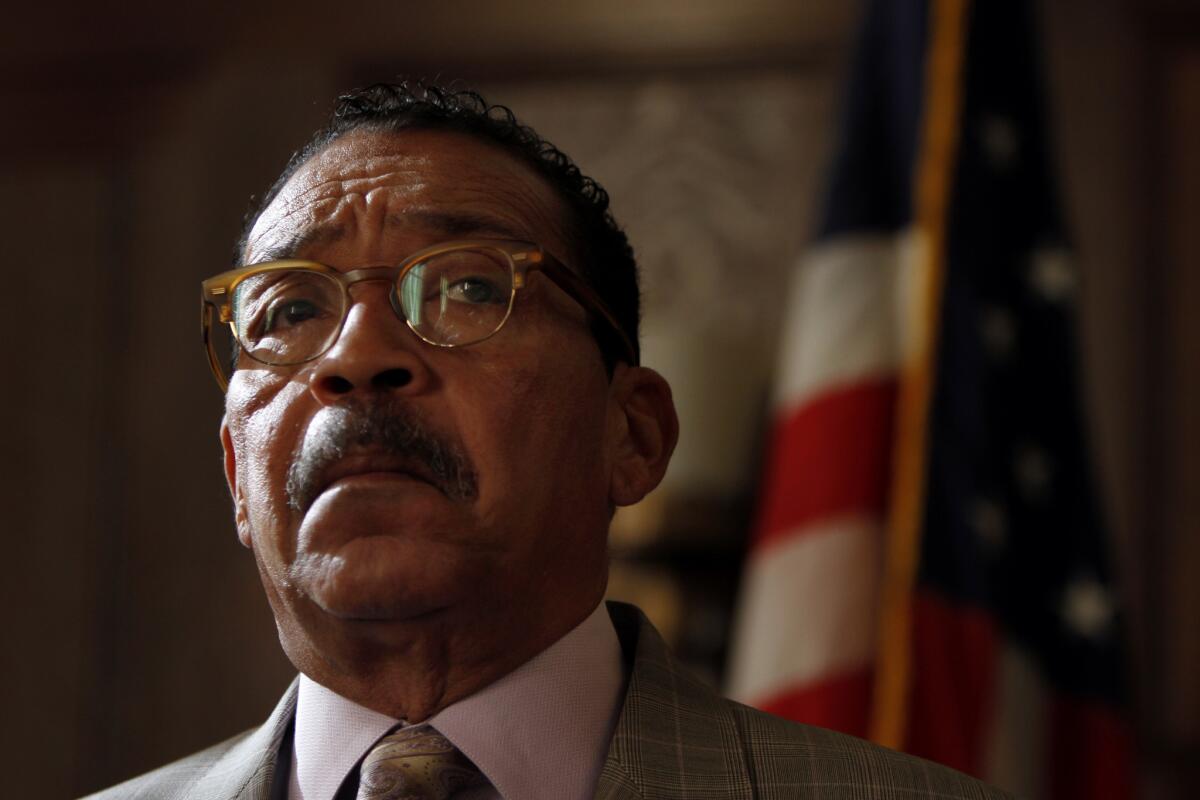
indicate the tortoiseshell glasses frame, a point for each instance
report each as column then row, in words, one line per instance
column 223, row 300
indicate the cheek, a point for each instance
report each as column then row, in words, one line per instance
column 543, row 422
column 263, row 424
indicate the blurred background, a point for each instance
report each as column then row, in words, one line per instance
column 135, row 628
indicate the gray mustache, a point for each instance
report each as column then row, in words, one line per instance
column 388, row 428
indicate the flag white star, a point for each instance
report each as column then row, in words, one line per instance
column 1087, row 607
column 1001, row 140
column 1034, row 471
column 991, row 528
column 998, row 330
column 1052, row 274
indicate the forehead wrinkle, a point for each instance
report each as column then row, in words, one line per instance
column 451, row 223
column 444, row 223
column 453, row 194
column 337, row 188
column 359, row 179
column 303, row 193
column 292, row 245
column 290, row 234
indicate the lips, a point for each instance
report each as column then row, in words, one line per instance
column 373, row 463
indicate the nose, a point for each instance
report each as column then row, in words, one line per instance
column 375, row 353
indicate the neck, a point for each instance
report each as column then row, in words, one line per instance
column 414, row 668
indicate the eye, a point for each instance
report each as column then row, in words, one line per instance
column 474, row 290
column 289, row 313
column 280, row 301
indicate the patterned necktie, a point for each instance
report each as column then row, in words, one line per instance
column 416, row 763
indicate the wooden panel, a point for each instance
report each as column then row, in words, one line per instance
column 1182, row 346
column 442, row 33
column 58, row 529
column 197, row 658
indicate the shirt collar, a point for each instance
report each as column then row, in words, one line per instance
column 331, row 734
column 540, row 731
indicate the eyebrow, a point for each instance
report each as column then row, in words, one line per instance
column 450, row 224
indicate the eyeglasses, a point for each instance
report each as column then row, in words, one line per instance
column 284, row 313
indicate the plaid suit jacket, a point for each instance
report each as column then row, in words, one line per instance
column 675, row 738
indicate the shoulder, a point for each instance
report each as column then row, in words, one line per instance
column 175, row 780
column 238, row 767
column 675, row 735
column 780, row 753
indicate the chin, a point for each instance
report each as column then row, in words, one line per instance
column 376, row 578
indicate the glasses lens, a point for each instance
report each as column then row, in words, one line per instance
column 287, row 316
column 459, row 297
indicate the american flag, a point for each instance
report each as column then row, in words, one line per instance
column 929, row 566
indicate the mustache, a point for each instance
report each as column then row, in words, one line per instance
column 386, row 428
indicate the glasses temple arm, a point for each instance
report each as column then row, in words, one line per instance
column 587, row 297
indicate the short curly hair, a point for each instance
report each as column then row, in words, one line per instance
column 602, row 252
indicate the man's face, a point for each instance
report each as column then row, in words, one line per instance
column 398, row 495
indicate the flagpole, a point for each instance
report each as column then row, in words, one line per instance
column 934, row 180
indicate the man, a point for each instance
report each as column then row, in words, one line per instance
column 434, row 404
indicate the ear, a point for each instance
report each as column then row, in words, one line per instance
column 643, row 430
column 235, row 490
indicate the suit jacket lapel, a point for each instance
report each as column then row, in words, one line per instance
column 675, row 737
column 246, row 770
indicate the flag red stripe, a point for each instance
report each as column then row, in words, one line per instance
column 838, row 701
column 953, row 680
column 830, row 456
column 1091, row 752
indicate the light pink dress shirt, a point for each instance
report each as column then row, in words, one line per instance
column 542, row 731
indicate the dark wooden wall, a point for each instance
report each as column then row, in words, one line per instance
column 135, row 628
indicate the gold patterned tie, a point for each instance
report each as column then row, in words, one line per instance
column 416, row 763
